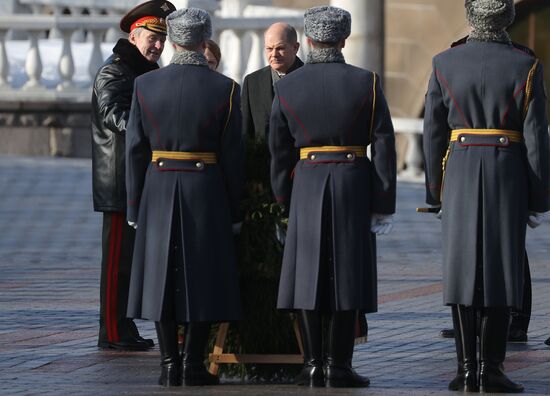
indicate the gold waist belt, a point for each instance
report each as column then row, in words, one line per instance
column 359, row 151
column 207, row 158
column 513, row 136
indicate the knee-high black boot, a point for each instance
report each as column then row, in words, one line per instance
column 341, row 340
column 194, row 372
column 468, row 327
column 494, row 332
column 458, row 381
column 167, row 333
column 310, row 328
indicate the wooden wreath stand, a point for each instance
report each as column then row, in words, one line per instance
column 217, row 356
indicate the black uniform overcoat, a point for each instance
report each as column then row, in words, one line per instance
column 187, row 108
column 111, row 99
column 487, row 190
column 331, row 104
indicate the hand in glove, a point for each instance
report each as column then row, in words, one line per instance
column 439, row 213
column 535, row 219
column 381, row 224
column 132, row 224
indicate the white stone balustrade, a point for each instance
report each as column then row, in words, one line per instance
column 35, row 25
column 412, row 129
column 241, row 55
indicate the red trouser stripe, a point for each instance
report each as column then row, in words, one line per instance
column 116, row 266
column 110, row 315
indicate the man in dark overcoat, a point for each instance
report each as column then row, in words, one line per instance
column 111, row 99
column 486, row 154
column 184, row 178
column 281, row 47
column 323, row 117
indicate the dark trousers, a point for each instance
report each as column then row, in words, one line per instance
column 116, row 262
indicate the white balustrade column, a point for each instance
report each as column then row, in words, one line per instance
column 96, row 60
column 235, row 63
column 55, row 33
column 365, row 45
column 33, row 63
column 256, row 59
column 4, row 64
column 302, row 39
column 413, row 156
column 79, row 35
column 66, row 63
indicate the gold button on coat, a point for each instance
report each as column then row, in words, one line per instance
column 161, row 164
column 502, row 139
column 199, row 165
column 462, row 139
column 312, row 156
column 349, row 155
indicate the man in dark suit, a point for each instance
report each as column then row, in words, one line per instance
column 281, row 47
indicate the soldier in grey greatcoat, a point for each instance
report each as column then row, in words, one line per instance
column 184, row 180
column 324, row 115
column 486, row 154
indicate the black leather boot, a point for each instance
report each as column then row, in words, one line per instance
column 458, row 381
column 468, row 325
column 494, row 332
column 194, row 371
column 310, row 328
column 341, row 340
column 167, row 333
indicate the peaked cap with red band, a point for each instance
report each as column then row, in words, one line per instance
column 150, row 15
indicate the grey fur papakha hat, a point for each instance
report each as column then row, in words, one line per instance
column 189, row 26
column 327, row 24
column 490, row 16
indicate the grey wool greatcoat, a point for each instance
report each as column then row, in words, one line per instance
column 331, row 104
column 189, row 108
column 488, row 188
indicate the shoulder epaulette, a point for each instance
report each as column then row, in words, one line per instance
column 525, row 49
column 459, row 42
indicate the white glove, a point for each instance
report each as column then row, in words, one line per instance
column 439, row 213
column 132, row 224
column 280, row 233
column 535, row 219
column 381, row 224
column 236, row 228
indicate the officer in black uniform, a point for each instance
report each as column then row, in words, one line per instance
column 324, row 115
column 111, row 99
column 491, row 173
column 184, row 178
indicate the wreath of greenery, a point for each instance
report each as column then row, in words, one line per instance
column 264, row 330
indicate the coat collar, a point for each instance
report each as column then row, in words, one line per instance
column 189, row 58
column 131, row 55
column 325, row 55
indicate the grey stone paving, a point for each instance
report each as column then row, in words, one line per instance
column 49, row 291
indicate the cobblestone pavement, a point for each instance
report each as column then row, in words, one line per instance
column 49, row 288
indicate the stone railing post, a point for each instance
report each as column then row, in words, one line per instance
column 256, row 57
column 235, row 61
column 33, row 63
column 4, row 64
column 96, row 59
column 66, row 63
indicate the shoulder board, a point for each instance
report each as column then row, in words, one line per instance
column 525, row 49
column 459, row 42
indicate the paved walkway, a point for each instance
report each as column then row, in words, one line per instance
column 49, row 291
